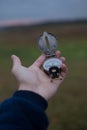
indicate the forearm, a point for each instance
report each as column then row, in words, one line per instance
column 25, row 110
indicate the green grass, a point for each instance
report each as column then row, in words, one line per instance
column 68, row 109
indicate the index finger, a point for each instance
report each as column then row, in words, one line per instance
column 40, row 60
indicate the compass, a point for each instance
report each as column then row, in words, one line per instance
column 48, row 45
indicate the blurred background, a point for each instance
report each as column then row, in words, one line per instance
column 21, row 23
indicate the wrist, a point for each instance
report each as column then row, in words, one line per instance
column 25, row 87
column 38, row 90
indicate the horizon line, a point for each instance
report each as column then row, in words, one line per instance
column 17, row 22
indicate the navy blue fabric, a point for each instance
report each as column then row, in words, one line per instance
column 25, row 110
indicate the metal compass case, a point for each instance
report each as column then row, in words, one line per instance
column 48, row 45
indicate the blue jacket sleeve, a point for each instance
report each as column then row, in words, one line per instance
column 25, row 110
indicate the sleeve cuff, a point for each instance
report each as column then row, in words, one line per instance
column 32, row 97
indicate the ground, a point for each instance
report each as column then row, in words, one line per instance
column 68, row 109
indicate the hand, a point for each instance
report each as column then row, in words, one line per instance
column 33, row 79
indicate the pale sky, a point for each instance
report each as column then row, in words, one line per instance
column 42, row 9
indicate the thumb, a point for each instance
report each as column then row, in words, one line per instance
column 16, row 62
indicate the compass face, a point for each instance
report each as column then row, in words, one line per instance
column 52, row 62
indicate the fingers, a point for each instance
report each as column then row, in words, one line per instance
column 62, row 59
column 57, row 53
column 16, row 62
column 58, row 56
column 64, row 70
column 63, row 67
column 40, row 60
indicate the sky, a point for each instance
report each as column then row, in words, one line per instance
column 11, row 10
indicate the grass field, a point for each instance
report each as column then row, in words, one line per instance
column 68, row 109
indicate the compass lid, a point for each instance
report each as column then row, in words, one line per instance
column 47, row 44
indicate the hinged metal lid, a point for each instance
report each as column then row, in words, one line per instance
column 47, row 44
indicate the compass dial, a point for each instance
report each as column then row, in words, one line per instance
column 52, row 62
